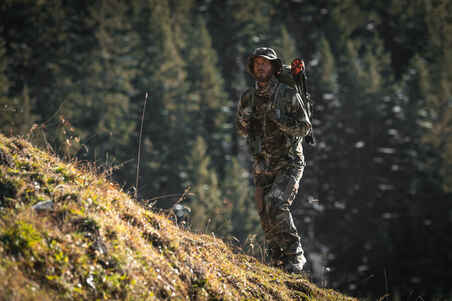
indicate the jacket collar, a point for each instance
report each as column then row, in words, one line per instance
column 269, row 89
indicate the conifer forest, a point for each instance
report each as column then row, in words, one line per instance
column 375, row 203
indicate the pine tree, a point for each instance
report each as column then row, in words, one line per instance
column 421, row 214
column 356, row 147
column 239, row 197
column 97, row 105
column 7, row 107
column 210, row 213
column 327, row 67
column 437, row 121
column 162, row 73
column 285, row 45
column 206, row 99
column 30, row 71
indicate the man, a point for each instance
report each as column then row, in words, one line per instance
column 273, row 118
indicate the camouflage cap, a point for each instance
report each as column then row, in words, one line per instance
column 265, row 52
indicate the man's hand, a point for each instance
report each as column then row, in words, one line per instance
column 244, row 113
column 296, row 67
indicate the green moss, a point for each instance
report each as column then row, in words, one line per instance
column 29, row 196
column 24, row 165
column 13, row 171
column 7, row 192
column 52, row 180
column 86, row 225
column 58, row 255
column 64, row 170
column 20, row 239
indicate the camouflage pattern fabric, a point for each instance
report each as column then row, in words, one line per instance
column 274, row 121
column 279, row 191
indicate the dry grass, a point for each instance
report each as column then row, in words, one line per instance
column 98, row 243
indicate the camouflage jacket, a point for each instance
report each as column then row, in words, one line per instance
column 274, row 125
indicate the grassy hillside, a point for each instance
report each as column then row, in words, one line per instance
column 95, row 242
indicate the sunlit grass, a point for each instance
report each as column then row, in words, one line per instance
column 96, row 242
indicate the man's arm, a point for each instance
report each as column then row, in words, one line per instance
column 244, row 113
column 292, row 118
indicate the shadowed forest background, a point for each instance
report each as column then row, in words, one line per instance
column 374, row 207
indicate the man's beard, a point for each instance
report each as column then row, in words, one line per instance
column 263, row 77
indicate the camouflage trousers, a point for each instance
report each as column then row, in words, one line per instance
column 275, row 193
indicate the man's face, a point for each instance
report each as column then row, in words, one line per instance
column 262, row 69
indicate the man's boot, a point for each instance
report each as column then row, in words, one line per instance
column 294, row 263
column 276, row 255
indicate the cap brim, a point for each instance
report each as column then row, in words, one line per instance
column 265, row 56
